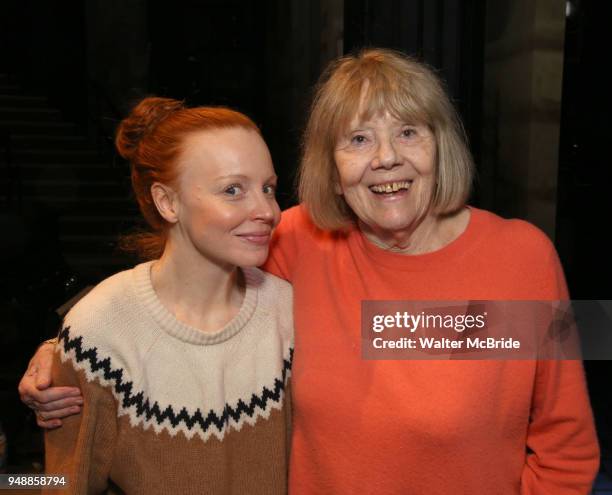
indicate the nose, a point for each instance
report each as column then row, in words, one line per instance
column 386, row 156
column 263, row 208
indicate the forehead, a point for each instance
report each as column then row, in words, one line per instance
column 224, row 152
column 222, row 141
column 375, row 121
column 377, row 100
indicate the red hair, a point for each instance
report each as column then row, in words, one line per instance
column 151, row 138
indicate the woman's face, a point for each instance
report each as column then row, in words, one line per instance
column 386, row 171
column 226, row 197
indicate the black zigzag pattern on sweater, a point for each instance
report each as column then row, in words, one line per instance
column 148, row 410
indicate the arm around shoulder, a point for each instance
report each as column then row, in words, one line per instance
column 36, row 391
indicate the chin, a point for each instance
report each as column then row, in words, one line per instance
column 394, row 224
column 252, row 259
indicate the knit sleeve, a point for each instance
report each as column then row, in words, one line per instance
column 562, row 452
column 82, row 448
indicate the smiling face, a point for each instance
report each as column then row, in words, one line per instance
column 225, row 206
column 386, row 171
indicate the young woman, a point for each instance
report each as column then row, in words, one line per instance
column 184, row 361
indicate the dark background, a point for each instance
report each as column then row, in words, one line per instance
column 70, row 70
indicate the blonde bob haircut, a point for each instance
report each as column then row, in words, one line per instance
column 411, row 93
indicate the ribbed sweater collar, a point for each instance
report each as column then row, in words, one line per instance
column 173, row 327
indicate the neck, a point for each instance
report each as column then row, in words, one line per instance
column 428, row 234
column 199, row 292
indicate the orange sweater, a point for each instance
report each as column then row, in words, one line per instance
column 427, row 427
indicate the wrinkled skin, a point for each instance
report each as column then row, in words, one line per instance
column 49, row 404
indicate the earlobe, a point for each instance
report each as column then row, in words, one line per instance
column 166, row 201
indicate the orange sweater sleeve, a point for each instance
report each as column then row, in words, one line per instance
column 562, row 451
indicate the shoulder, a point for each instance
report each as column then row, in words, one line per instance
column 295, row 214
column 513, row 235
column 516, row 258
column 103, row 296
column 107, row 304
column 296, row 218
column 296, row 223
column 103, row 330
column 108, row 295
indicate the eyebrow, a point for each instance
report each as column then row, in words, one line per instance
column 243, row 177
column 367, row 126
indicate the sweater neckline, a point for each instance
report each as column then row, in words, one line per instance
column 411, row 262
column 186, row 333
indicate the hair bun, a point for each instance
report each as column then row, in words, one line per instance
column 143, row 118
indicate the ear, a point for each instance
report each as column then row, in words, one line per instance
column 166, row 201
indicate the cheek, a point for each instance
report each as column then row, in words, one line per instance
column 427, row 162
column 203, row 214
column 348, row 173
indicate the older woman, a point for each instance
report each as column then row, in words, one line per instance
column 383, row 185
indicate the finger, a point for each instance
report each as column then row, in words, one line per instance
column 43, row 381
column 26, row 388
column 52, row 394
column 45, row 416
column 49, row 425
column 27, row 384
column 44, row 365
column 32, row 370
column 58, row 404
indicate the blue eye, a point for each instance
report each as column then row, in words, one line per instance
column 269, row 189
column 233, row 190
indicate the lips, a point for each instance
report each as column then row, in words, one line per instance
column 390, row 187
column 258, row 238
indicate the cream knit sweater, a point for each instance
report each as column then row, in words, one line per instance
column 168, row 408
